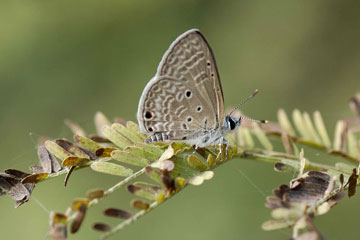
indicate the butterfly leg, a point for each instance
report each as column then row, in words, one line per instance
column 195, row 149
column 226, row 143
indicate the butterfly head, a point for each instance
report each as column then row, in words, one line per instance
column 231, row 122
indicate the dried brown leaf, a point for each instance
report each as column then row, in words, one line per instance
column 352, row 181
column 34, row 178
column 79, row 218
column 95, row 194
column 140, row 205
column 113, row 212
column 102, row 227
column 58, row 229
column 355, row 104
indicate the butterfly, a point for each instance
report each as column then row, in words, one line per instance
column 184, row 100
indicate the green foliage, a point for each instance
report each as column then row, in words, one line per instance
column 170, row 168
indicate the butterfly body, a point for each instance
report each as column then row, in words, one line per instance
column 184, row 100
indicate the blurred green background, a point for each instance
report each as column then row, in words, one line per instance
column 69, row 59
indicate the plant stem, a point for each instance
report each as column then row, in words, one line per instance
column 111, row 190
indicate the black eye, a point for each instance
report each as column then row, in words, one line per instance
column 232, row 124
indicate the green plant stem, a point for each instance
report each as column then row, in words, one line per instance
column 135, row 217
column 319, row 146
column 111, row 190
column 256, row 155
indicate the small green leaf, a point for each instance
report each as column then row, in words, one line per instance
column 111, row 168
column 310, row 127
column 300, row 124
column 101, row 121
column 196, row 163
column 180, row 147
column 353, row 148
column 286, row 213
column 142, row 152
column 73, row 149
column 146, row 190
column 249, row 141
column 180, row 183
column 321, row 129
column 75, row 128
column 86, row 143
column 286, row 143
column 127, row 133
column 261, row 136
column 210, row 161
column 115, row 137
column 58, row 151
column 154, row 149
column 277, row 224
column 285, row 123
column 154, row 174
column 339, row 129
column 134, row 128
column 344, row 167
column 302, row 163
column 129, row 158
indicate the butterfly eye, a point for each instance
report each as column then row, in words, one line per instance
column 148, row 115
column 232, row 124
column 188, row 93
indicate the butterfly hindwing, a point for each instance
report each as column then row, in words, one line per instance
column 185, row 95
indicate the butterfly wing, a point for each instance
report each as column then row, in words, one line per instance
column 185, row 95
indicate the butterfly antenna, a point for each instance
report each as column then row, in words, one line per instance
column 253, row 120
column 244, row 101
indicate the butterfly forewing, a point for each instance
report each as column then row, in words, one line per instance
column 185, row 96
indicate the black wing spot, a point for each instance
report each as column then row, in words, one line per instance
column 188, row 93
column 184, row 126
column 199, row 109
column 208, row 63
column 150, row 129
column 189, row 119
column 148, row 115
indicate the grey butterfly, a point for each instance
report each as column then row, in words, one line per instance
column 184, row 100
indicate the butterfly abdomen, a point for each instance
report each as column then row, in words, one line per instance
column 157, row 137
